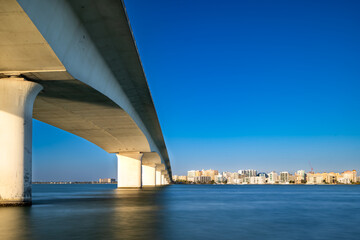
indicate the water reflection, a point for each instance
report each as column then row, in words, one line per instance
column 102, row 214
column 186, row 212
column 136, row 214
column 14, row 223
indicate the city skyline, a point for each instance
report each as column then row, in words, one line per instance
column 253, row 176
column 270, row 85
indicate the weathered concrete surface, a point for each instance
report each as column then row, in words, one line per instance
column 16, row 104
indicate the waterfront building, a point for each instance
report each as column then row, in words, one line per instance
column 219, row 178
column 246, row 180
column 211, row 173
column 273, row 177
column 202, row 179
column 315, row 178
column 292, row 178
column 344, row 180
column 238, row 181
column 191, row 175
column 179, row 178
column 257, row 180
column 235, row 175
column 351, row 175
column 226, row 174
column 284, row 177
column 182, row 178
column 251, row 173
column 248, row 173
column 300, row 177
column 331, row 178
column 232, row 177
column 107, row 180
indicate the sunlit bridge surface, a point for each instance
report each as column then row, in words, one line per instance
column 186, row 212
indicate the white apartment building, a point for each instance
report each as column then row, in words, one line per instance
column 273, row 177
column 257, row 180
column 191, row 175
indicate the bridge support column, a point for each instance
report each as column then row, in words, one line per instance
column 162, row 179
column 17, row 97
column 129, row 170
column 148, row 176
column 158, row 177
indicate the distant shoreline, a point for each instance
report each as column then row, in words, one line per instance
column 63, row 182
column 67, row 183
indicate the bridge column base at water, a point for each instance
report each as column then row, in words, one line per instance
column 17, row 97
column 129, row 170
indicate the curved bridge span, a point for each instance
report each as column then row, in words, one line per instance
column 74, row 65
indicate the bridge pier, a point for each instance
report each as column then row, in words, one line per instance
column 129, row 170
column 158, row 177
column 162, row 179
column 16, row 106
column 159, row 170
column 148, row 176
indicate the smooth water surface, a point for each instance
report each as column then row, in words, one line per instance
column 186, row 212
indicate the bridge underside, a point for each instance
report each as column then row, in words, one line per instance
column 77, row 108
column 83, row 83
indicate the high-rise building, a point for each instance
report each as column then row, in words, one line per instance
column 284, row 177
column 273, row 177
column 252, row 173
column 248, row 173
column 300, row 177
column 191, row 175
column 210, row 173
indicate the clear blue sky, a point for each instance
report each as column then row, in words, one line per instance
column 270, row 85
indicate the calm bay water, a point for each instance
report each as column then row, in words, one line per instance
column 186, row 212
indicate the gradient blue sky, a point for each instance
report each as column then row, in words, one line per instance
column 270, row 85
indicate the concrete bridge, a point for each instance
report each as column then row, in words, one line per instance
column 74, row 65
